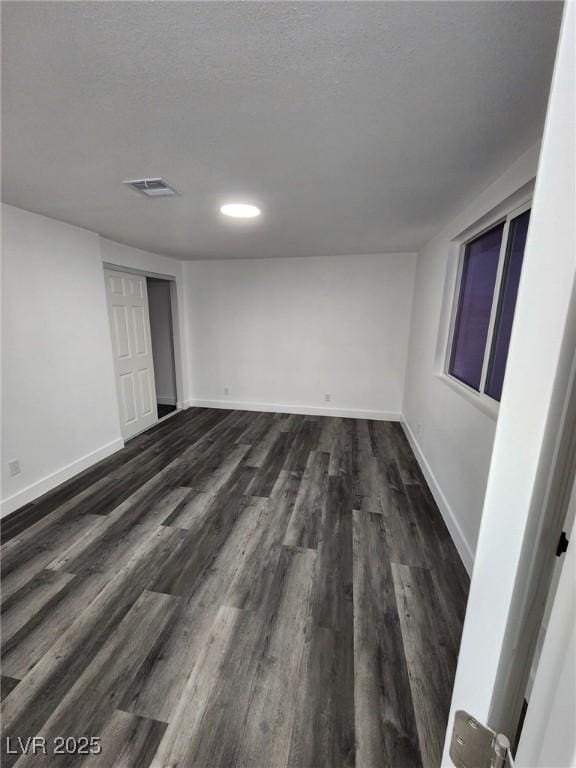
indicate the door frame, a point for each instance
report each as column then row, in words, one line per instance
column 548, row 736
column 532, row 459
column 177, row 339
column 538, row 561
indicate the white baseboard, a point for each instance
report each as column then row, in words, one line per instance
column 33, row 491
column 464, row 549
column 303, row 410
column 165, row 400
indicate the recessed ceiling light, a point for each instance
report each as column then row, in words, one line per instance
column 240, row 210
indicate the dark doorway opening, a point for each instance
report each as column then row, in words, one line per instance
column 162, row 335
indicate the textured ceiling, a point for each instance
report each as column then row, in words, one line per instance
column 357, row 126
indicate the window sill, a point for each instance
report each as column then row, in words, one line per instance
column 482, row 402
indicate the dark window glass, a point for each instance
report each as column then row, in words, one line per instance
column 506, row 304
column 474, row 306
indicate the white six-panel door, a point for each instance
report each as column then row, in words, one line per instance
column 132, row 350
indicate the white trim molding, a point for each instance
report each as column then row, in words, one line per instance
column 304, row 410
column 485, row 404
column 40, row 487
column 462, row 545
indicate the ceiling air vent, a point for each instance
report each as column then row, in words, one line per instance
column 151, row 187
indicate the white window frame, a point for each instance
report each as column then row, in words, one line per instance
column 483, row 400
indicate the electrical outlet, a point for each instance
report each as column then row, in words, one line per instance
column 327, row 397
column 14, row 468
column 226, row 390
column 418, row 429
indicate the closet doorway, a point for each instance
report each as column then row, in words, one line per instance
column 141, row 315
column 162, row 337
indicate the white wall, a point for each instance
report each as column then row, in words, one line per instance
column 281, row 333
column 59, row 405
column 162, row 345
column 59, row 408
column 133, row 258
column 450, row 434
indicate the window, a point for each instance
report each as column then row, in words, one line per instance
column 487, row 291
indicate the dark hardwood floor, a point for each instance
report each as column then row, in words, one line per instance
column 235, row 589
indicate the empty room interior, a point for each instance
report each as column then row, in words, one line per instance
column 288, row 384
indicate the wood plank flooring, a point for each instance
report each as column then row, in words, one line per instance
column 234, row 590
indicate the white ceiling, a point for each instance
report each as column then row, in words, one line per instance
column 357, row 126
